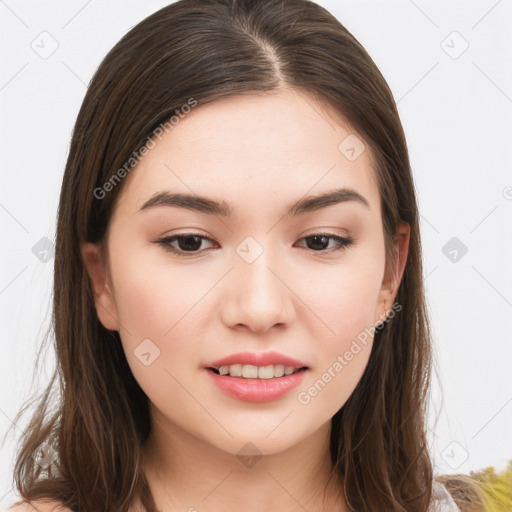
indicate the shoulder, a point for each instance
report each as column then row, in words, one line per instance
column 53, row 506
column 39, row 506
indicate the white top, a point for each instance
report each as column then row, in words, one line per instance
column 442, row 499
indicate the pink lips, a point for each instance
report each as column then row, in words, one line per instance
column 265, row 359
column 257, row 390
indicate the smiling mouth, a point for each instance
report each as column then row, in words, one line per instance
column 248, row 371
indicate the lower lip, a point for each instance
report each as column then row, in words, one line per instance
column 257, row 390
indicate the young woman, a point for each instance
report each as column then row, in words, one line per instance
column 239, row 312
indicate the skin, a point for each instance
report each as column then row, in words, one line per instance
column 260, row 153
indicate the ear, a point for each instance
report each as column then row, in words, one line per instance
column 103, row 298
column 393, row 274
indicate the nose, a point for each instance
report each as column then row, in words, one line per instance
column 257, row 295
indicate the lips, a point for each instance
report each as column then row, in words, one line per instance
column 251, row 358
column 255, row 377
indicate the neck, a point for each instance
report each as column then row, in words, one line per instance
column 188, row 473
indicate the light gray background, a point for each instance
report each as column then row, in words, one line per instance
column 456, row 108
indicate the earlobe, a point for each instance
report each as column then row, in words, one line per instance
column 103, row 298
column 393, row 277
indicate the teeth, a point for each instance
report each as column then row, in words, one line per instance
column 249, row 371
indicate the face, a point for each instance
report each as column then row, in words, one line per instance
column 256, row 280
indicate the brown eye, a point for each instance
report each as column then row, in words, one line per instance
column 186, row 243
column 319, row 242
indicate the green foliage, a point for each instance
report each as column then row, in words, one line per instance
column 497, row 488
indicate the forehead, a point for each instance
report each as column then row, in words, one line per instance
column 263, row 148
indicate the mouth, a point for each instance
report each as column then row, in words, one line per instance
column 248, row 371
column 258, row 384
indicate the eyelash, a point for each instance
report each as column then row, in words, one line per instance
column 165, row 243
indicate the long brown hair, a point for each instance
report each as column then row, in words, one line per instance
column 208, row 50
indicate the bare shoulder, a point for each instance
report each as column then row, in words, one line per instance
column 39, row 506
column 54, row 506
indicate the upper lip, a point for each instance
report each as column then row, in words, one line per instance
column 265, row 359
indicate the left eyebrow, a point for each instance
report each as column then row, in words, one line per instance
column 209, row 206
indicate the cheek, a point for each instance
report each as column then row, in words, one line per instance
column 343, row 299
column 343, row 342
column 344, row 302
column 158, row 308
column 156, row 299
column 158, row 311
